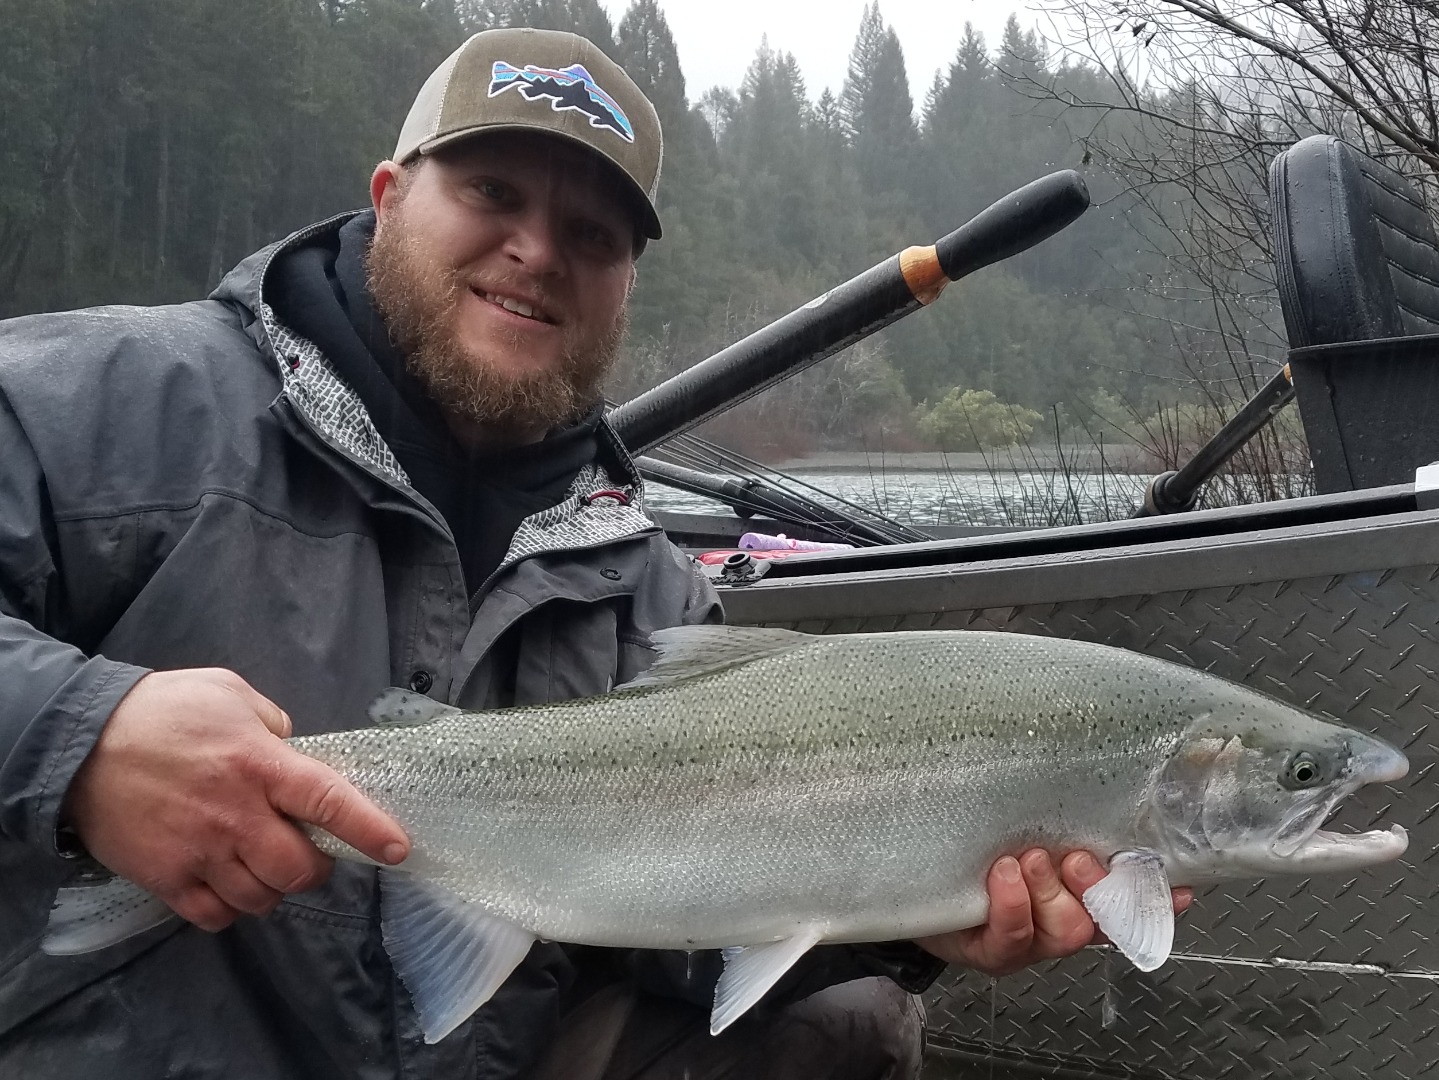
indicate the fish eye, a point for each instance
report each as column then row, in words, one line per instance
column 1303, row 770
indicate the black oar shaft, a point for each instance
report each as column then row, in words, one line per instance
column 1178, row 490
column 849, row 312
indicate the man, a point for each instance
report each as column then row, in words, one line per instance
column 375, row 455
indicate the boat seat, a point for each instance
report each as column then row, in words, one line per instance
column 1353, row 244
column 1358, row 271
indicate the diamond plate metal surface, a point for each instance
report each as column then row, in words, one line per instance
column 1291, row 978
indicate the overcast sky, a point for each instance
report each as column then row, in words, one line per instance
column 717, row 39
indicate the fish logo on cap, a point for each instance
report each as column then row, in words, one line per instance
column 567, row 88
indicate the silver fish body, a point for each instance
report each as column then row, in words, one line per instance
column 762, row 791
column 861, row 783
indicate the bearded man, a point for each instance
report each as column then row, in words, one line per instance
column 375, row 455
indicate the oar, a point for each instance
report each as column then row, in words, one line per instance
column 1176, row 491
column 866, row 303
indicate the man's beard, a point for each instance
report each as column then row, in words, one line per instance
column 420, row 301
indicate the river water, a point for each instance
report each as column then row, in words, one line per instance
column 921, row 497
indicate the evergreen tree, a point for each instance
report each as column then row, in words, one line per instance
column 647, row 52
column 964, row 116
column 953, row 101
column 587, row 18
column 863, row 59
column 827, row 121
column 878, row 108
column 1021, row 53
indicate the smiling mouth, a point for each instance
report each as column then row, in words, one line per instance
column 515, row 307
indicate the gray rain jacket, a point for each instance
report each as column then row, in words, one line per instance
column 194, row 486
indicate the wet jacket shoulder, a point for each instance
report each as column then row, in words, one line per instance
column 191, row 486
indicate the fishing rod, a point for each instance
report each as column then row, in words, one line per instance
column 753, row 495
column 699, row 466
column 867, row 302
column 1177, row 490
column 819, row 505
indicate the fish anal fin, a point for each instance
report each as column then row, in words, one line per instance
column 686, row 652
column 749, row 973
column 1133, row 906
column 94, row 915
column 451, row 955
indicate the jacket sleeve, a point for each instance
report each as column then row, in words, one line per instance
column 54, row 700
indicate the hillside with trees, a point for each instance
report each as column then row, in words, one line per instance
column 150, row 144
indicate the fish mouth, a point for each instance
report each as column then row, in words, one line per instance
column 1323, row 850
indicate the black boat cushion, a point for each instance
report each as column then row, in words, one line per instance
column 1355, row 249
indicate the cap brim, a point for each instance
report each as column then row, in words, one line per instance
column 649, row 219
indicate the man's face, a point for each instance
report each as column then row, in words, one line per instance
column 502, row 267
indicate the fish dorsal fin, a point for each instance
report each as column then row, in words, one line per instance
column 1133, row 906
column 689, row 651
column 750, row 971
column 395, row 707
column 97, row 914
column 451, row 955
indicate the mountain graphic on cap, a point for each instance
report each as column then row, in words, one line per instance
column 568, row 88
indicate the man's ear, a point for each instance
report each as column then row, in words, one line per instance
column 385, row 186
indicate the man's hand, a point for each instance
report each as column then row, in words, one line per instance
column 1033, row 914
column 190, row 792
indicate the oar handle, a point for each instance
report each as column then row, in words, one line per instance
column 1018, row 221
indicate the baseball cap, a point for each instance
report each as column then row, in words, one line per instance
column 522, row 79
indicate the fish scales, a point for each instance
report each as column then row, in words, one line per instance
column 845, row 783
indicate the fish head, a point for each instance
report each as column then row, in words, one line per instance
column 1247, row 794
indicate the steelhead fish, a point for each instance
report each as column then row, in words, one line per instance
column 762, row 791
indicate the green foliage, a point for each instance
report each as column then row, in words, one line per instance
column 974, row 420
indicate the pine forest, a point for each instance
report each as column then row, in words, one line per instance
column 148, row 145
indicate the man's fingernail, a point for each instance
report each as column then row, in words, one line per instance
column 395, row 853
column 1009, row 871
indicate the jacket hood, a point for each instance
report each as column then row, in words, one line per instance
column 245, row 284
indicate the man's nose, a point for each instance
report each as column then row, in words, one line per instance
column 534, row 241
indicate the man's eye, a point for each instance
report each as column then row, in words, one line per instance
column 492, row 189
column 596, row 235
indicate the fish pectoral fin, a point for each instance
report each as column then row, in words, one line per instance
column 451, row 955
column 1133, row 906
column 394, row 707
column 750, row 971
column 686, row 652
column 97, row 914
